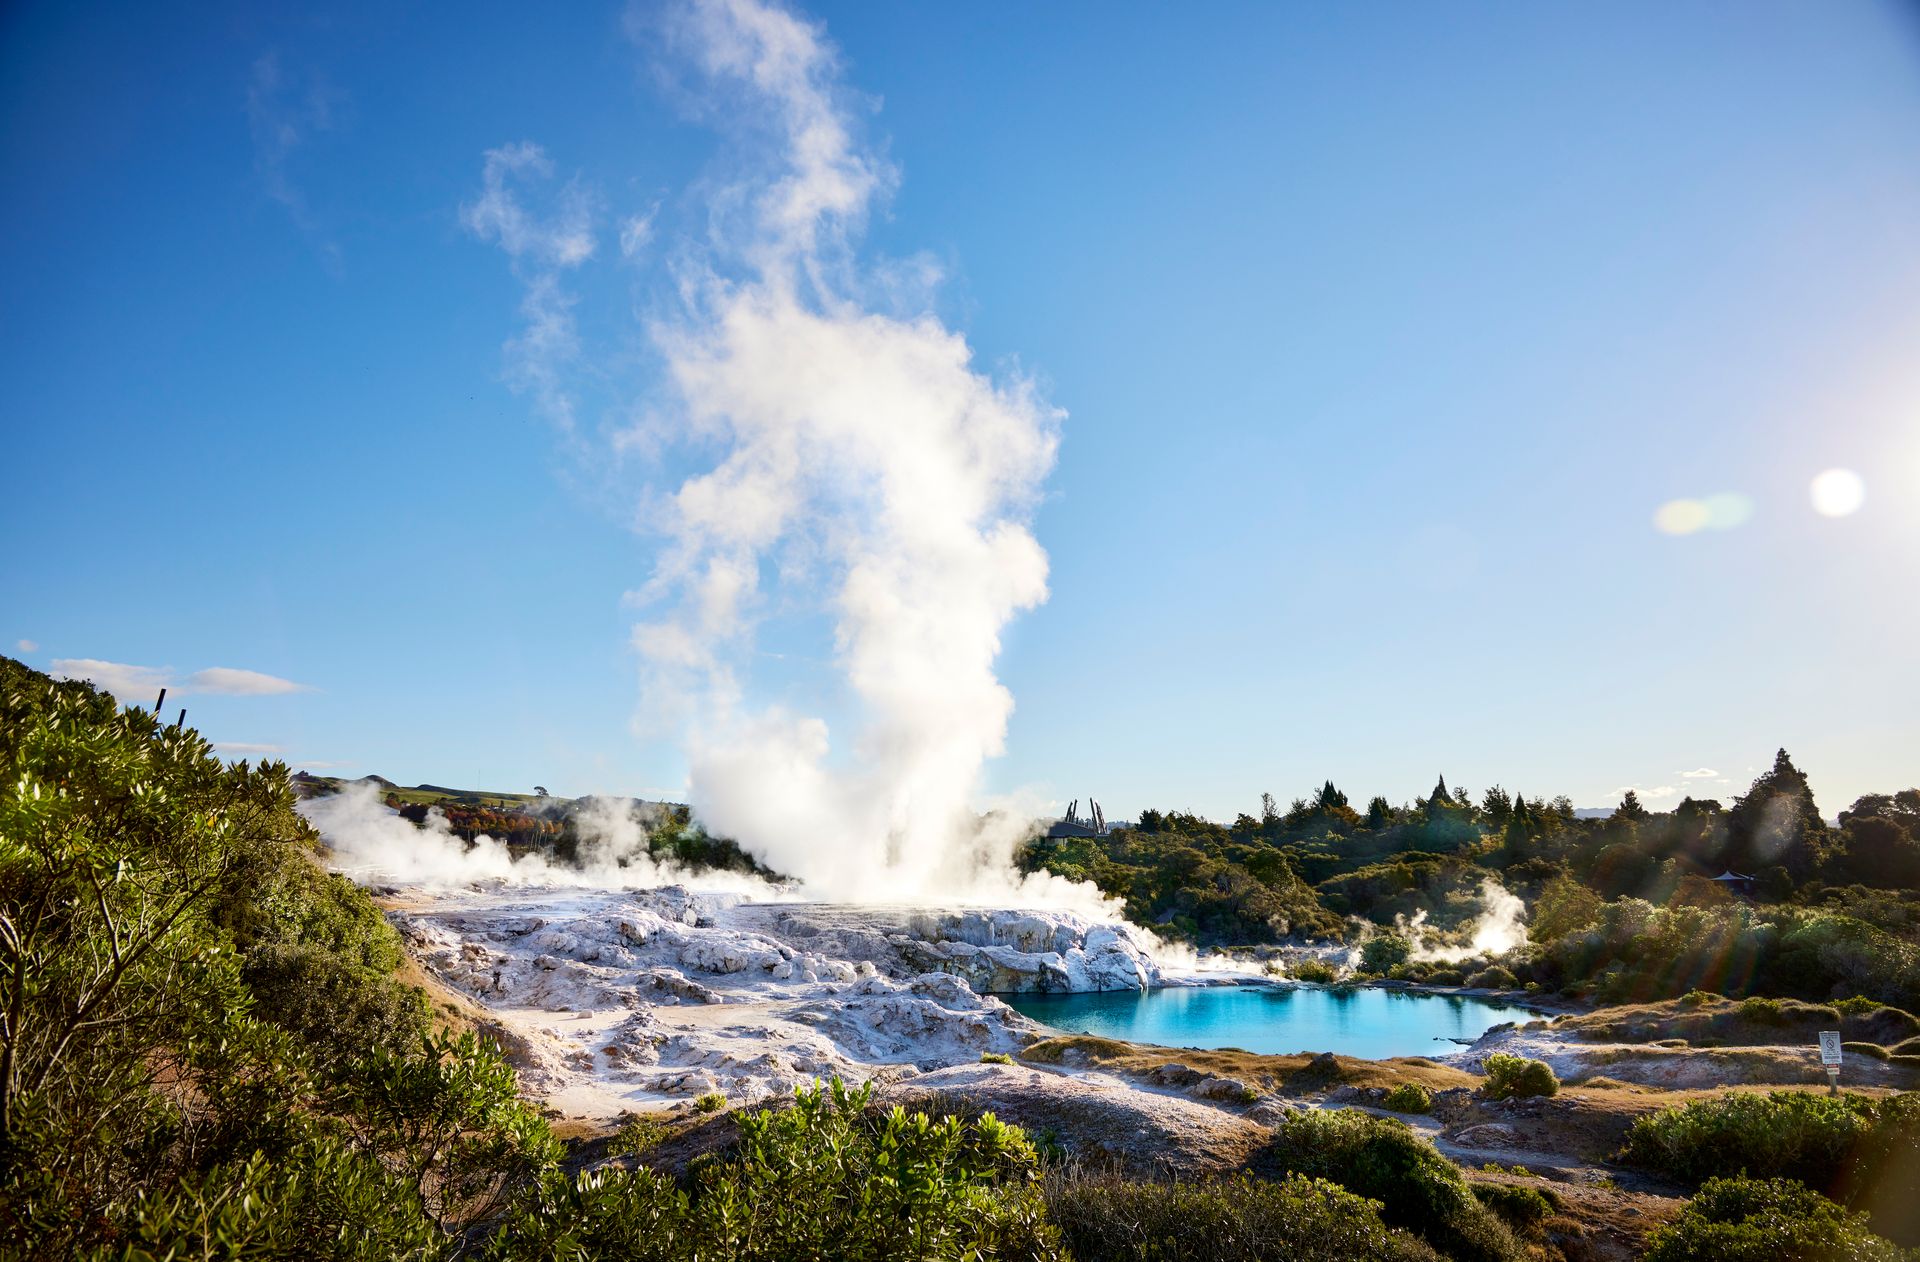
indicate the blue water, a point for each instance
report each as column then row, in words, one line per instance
column 1364, row 1021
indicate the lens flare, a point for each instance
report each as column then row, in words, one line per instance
column 1681, row 517
column 1838, row 493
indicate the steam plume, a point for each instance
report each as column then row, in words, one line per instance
column 861, row 447
column 371, row 841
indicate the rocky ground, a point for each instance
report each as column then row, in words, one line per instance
column 611, row 1000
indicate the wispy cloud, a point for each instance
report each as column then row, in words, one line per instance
column 26, row 646
column 1645, row 793
column 542, row 247
column 247, row 747
column 284, row 112
column 136, row 683
column 129, row 683
column 636, row 232
column 1698, row 773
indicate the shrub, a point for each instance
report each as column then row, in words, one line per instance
column 1858, row 1006
column 1494, row 978
column 1409, row 1097
column 1697, row 998
column 1762, row 1011
column 1770, row 1220
column 1384, row 950
column 709, row 1102
column 1523, row 1208
column 1313, row 971
column 995, row 1058
column 1241, row 1219
column 1513, row 1076
column 640, row 1133
column 1856, row 1149
column 1382, row 1159
column 823, row 1178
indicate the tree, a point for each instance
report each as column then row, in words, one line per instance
column 1630, row 811
column 1776, row 823
column 1269, row 811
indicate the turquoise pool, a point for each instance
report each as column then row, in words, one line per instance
column 1366, row 1021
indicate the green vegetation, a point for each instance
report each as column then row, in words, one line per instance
column 1294, row 1219
column 203, row 1043
column 1522, row 1208
column 1851, row 1147
column 1409, row 1097
column 1382, row 1159
column 1509, row 1077
column 1623, row 909
column 828, row 1177
column 1768, row 1220
column 995, row 1058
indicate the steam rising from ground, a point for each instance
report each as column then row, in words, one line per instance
column 371, row 841
column 866, row 465
column 1499, row 928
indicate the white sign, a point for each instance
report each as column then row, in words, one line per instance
column 1830, row 1048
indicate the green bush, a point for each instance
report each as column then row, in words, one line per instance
column 1494, row 978
column 1382, row 1159
column 1241, row 1219
column 1511, row 1076
column 1408, row 1097
column 1523, row 1208
column 824, row 1178
column 1771, row 1220
column 1311, row 970
column 1383, row 951
column 995, row 1058
column 1851, row 1147
column 709, row 1102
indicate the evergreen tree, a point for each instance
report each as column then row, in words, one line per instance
column 1776, row 824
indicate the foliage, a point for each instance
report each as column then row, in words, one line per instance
column 1383, row 1159
column 1311, row 970
column 1509, row 1077
column 1772, row 1220
column 1242, row 1219
column 1851, row 1147
column 826, row 1178
column 1383, row 951
column 995, row 1058
column 1408, row 1097
column 709, row 1102
column 1523, row 1208
column 1494, row 978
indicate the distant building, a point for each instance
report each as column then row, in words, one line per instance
column 1733, row 883
column 1072, row 825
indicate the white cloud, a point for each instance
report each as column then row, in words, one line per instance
column 1698, row 773
column 228, row 681
column 26, row 646
column 136, row 684
column 283, row 113
column 1655, row 792
column 636, row 233
column 127, row 683
column 541, row 248
column 247, row 747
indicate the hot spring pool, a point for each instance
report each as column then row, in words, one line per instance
column 1365, row 1021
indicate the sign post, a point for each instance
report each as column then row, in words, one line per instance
column 1830, row 1059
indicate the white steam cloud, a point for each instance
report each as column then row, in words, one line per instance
column 1499, row 928
column 372, row 842
column 852, row 461
column 870, row 445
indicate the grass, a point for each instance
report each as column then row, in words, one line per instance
column 1299, row 1073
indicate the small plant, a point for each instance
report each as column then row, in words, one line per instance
column 639, row 1134
column 1762, row 1011
column 1697, row 998
column 1524, row 1208
column 1383, row 951
column 1495, row 978
column 1409, row 1097
column 1858, row 1006
column 1510, row 1077
column 710, row 1102
column 1766, row 1220
column 1314, row 971
column 995, row 1058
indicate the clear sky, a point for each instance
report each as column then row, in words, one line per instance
column 1383, row 334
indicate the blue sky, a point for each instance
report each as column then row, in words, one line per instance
column 1382, row 333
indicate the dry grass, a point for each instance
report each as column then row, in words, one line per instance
column 1298, row 1074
